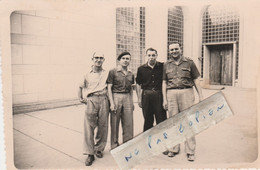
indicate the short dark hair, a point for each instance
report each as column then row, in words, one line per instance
column 151, row 49
column 123, row 54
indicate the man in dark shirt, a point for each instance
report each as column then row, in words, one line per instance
column 149, row 90
column 120, row 81
column 180, row 74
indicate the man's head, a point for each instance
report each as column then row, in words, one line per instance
column 151, row 54
column 98, row 59
column 124, row 59
column 175, row 50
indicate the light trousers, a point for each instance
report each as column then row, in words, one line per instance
column 179, row 100
column 96, row 116
column 124, row 113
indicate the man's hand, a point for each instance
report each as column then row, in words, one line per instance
column 113, row 108
column 140, row 103
column 84, row 100
column 165, row 104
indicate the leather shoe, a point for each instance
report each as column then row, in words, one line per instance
column 165, row 152
column 99, row 154
column 190, row 157
column 89, row 160
column 172, row 154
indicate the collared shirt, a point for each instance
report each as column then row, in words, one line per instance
column 150, row 78
column 151, row 65
column 180, row 75
column 121, row 83
column 94, row 82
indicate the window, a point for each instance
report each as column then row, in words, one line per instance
column 175, row 25
column 220, row 24
column 130, row 34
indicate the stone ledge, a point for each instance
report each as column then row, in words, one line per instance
column 31, row 107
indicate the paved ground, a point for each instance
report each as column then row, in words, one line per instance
column 53, row 138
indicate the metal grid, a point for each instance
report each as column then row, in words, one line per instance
column 175, row 25
column 130, row 34
column 220, row 24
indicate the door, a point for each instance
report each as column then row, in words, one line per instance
column 221, row 59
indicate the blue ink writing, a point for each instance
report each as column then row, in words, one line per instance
column 220, row 107
column 197, row 116
column 165, row 135
column 181, row 128
column 128, row 157
column 136, row 152
column 149, row 141
column 210, row 112
column 190, row 123
column 159, row 140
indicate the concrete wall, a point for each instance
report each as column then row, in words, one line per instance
column 156, row 30
column 51, row 50
column 249, row 46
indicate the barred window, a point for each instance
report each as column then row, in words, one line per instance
column 175, row 25
column 130, row 34
column 220, row 24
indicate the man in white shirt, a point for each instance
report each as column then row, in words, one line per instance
column 93, row 93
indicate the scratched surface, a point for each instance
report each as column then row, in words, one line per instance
column 172, row 131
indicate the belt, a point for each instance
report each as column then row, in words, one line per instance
column 96, row 94
column 153, row 89
column 179, row 88
column 121, row 92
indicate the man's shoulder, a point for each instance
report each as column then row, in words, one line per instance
column 88, row 73
column 166, row 62
column 187, row 59
column 113, row 69
column 160, row 63
column 143, row 65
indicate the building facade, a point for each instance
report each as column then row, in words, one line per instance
column 51, row 50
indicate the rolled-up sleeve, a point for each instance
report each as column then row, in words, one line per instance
column 164, row 77
column 194, row 71
column 138, row 77
column 110, row 77
column 83, row 83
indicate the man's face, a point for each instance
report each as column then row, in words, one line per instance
column 175, row 50
column 125, row 60
column 152, row 56
column 98, row 59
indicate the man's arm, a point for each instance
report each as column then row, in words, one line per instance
column 131, row 98
column 110, row 96
column 139, row 90
column 164, row 93
column 81, row 99
column 198, row 88
column 139, row 94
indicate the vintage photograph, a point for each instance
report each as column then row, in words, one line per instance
column 87, row 79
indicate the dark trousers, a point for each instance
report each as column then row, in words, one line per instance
column 152, row 106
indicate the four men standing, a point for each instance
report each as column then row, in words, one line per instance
column 160, row 88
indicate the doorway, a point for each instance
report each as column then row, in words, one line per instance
column 221, row 64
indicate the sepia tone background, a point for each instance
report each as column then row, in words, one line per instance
column 47, row 52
